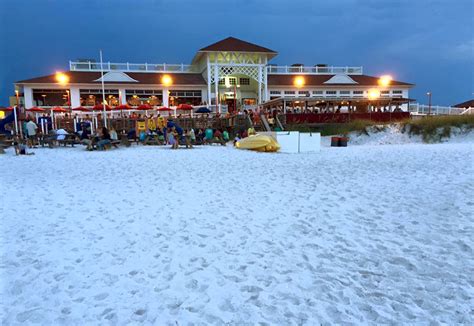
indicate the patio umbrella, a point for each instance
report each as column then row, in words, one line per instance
column 185, row 107
column 145, row 107
column 6, row 109
column 81, row 109
column 164, row 108
column 124, row 107
column 203, row 110
column 59, row 109
column 100, row 107
column 35, row 109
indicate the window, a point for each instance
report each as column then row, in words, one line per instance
column 232, row 81
column 304, row 93
column 358, row 92
column 397, row 92
column 50, row 97
column 222, row 81
column 384, row 92
column 275, row 92
column 344, row 92
column 244, row 81
column 318, row 92
column 137, row 97
column 91, row 97
column 289, row 92
column 193, row 97
column 331, row 92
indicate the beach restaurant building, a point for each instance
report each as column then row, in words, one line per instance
column 231, row 74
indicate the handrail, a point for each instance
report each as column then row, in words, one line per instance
column 314, row 70
column 265, row 123
column 130, row 67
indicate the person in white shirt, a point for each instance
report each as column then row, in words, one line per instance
column 61, row 134
column 31, row 132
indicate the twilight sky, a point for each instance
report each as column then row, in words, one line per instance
column 426, row 42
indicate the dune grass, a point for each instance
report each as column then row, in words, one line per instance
column 435, row 128
column 431, row 129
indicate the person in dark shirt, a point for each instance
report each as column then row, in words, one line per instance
column 104, row 139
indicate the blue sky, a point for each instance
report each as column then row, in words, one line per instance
column 426, row 42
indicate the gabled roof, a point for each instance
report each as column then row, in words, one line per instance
column 81, row 77
column 116, row 76
column 340, row 79
column 234, row 44
column 320, row 80
column 467, row 104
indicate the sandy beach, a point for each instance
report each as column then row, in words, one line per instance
column 358, row 235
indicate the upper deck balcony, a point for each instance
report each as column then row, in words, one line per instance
column 184, row 68
column 314, row 70
column 130, row 67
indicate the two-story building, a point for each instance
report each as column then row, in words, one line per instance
column 230, row 72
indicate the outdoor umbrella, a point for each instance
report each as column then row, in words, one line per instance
column 100, row 107
column 35, row 109
column 203, row 110
column 164, row 108
column 185, row 107
column 59, row 109
column 145, row 107
column 124, row 107
column 81, row 109
column 6, row 109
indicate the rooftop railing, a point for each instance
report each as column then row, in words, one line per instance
column 129, row 67
column 183, row 68
column 314, row 70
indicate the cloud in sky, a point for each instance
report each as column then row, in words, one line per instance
column 426, row 42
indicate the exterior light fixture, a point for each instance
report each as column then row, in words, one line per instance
column 299, row 81
column 373, row 94
column 385, row 80
column 166, row 80
column 62, row 78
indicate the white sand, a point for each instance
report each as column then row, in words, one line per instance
column 364, row 234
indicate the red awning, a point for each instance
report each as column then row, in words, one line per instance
column 6, row 109
column 164, row 109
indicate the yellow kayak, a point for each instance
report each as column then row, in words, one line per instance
column 259, row 143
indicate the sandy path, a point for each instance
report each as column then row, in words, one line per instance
column 358, row 235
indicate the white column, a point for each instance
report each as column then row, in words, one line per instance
column 28, row 95
column 123, row 96
column 75, row 96
column 265, row 81
column 259, row 84
column 208, row 80
column 166, row 97
column 216, row 83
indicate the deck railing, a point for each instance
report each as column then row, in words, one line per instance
column 424, row 109
column 129, row 67
column 184, row 68
column 314, row 70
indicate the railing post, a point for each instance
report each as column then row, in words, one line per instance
column 128, row 67
column 90, row 66
column 146, row 66
column 164, row 66
column 109, row 65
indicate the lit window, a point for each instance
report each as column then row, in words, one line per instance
column 244, row 81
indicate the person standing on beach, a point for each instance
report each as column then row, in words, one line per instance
column 31, row 128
